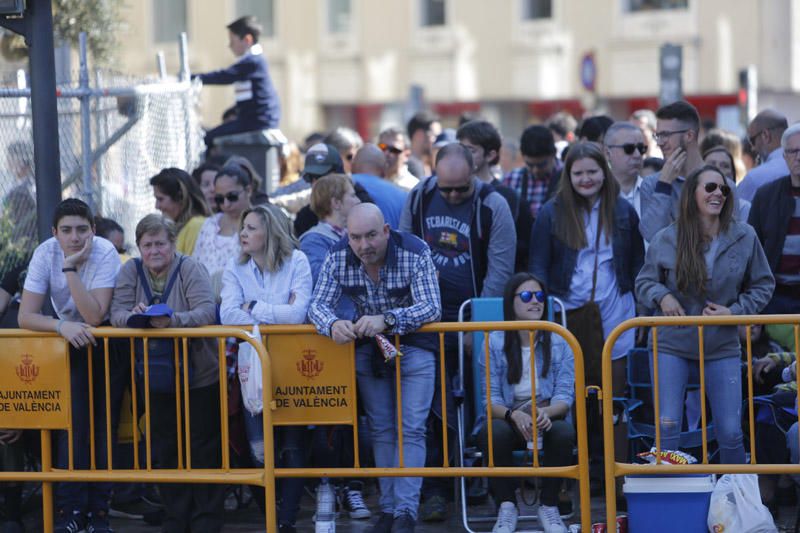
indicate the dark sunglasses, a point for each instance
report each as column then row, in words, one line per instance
column 712, row 186
column 460, row 190
column 527, row 296
column 232, row 197
column 386, row 148
column 628, row 148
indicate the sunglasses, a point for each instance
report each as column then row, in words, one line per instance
column 712, row 186
column 232, row 197
column 392, row 149
column 461, row 190
column 628, row 148
column 527, row 296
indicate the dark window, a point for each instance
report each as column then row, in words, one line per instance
column 537, row 9
column 432, row 13
column 656, row 5
column 169, row 19
column 339, row 16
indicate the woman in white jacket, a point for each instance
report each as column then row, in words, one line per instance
column 270, row 283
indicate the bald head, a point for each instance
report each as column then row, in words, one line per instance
column 368, row 234
column 765, row 130
column 769, row 118
column 370, row 160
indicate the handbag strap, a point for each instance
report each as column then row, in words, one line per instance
column 596, row 256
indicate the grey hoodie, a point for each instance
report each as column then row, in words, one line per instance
column 740, row 280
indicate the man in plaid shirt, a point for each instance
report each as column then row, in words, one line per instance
column 537, row 181
column 391, row 279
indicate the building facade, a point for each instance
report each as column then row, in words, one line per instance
column 367, row 63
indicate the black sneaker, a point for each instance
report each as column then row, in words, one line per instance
column 434, row 509
column 69, row 523
column 135, row 510
column 12, row 526
column 384, row 524
column 403, row 523
column 353, row 502
column 286, row 528
column 98, row 523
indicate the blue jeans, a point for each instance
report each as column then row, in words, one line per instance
column 794, row 452
column 89, row 497
column 417, row 371
column 724, row 390
column 290, row 450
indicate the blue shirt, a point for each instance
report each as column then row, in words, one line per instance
column 389, row 198
column 446, row 230
column 245, row 282
column 770, row 170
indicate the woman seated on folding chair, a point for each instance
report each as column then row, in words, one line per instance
column 512, row 424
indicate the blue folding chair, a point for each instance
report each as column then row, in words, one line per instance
column 638, row 408
column 483, row 310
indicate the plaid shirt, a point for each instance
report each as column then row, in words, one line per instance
column 537, row 189
column 407, row 286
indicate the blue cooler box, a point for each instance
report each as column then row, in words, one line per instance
column 666, row 504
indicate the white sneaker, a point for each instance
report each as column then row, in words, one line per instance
column 506, row 518
column 550, row 519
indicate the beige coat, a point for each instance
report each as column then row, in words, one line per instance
column 192, row 302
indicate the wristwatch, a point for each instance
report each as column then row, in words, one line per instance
column 389, row 319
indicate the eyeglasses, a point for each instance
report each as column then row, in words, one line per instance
column 628, row 148
column 232, row 197
column 461, row 190
column 712, row 186
column 527, row 296
column 662, row 136
column 392, row 149
column 792, row 153
column 752, row 138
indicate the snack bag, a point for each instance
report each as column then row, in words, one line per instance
column 387, row 348
column 670, row 457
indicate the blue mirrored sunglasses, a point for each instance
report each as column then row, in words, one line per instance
column 527, row 296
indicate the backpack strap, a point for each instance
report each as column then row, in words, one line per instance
column 172, row 279
column 143, row 278
column 148, row 293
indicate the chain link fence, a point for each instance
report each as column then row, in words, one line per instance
column 115, row 132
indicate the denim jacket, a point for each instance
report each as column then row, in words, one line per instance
column 553, row 262
column 557, row 386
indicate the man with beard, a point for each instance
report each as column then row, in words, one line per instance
column 677, row 132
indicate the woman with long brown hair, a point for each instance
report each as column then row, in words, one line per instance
column 706, row 263
column 586, row 248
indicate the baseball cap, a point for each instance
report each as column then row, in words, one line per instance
column 142, row 320
column 322, row 159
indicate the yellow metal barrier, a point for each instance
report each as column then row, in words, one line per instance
column 615, row 469
column 291, row 351
column 580, row 471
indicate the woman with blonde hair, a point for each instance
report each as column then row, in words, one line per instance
column 270, row 283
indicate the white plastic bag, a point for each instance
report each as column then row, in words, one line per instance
column 249, row 366
column 736, row 506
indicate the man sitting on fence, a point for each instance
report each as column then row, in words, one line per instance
column 391, row 279
column 78, row 270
